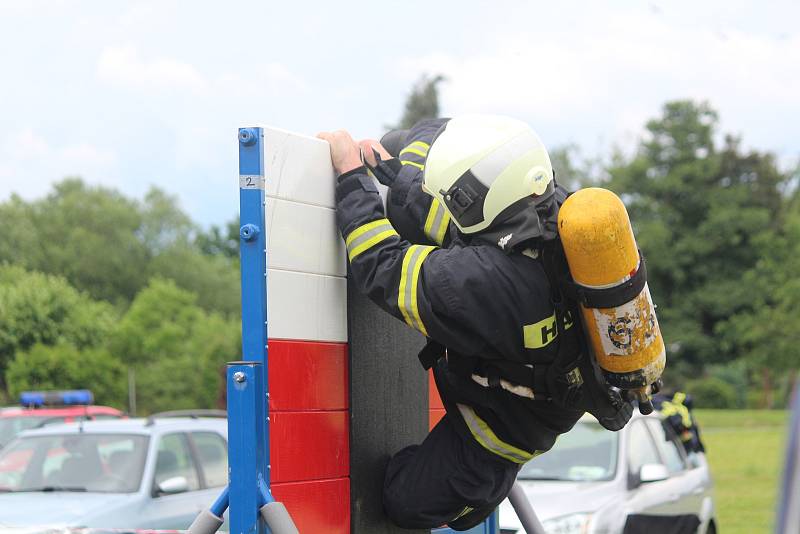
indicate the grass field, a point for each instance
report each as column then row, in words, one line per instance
column 746, row 451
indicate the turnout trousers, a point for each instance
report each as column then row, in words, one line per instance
column 447, row 479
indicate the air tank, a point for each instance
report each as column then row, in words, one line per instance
column 604, row 260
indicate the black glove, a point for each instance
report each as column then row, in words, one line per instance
column 600, row 399
column 384, row 170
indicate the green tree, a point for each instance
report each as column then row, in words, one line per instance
column 86, row 234
column 36, row 308
column 573, row 170
column 702, row 214
column 714, row 393
column 64, row 366
column 220, row 241
column 163, row 223
column 770, row 330
column 213, row 279
column 109, row 246
column 176, row 348
column 422, row 102
column 171, row 239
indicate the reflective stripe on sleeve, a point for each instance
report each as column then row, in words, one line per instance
column 420, row 166
column 367, row 236
column 420, row 148
column 409, row 280
column 437, row 221
column 489, row 440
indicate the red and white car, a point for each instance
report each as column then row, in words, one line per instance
column 38, row 409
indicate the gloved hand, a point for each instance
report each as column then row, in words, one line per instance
column 600, row 400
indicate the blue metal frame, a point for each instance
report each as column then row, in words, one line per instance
column 248, row 410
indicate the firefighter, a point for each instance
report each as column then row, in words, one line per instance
column 467, row 256
column 676, row 409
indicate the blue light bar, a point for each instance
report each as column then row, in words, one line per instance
column 56, row 398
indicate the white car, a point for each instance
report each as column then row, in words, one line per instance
column 639, row 479
column 155, row 473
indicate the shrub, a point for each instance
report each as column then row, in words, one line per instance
column 64, row 366
column 712, row 393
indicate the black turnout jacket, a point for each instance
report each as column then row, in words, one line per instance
column 482, row 303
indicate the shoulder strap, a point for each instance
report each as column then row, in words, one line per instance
column 609, row 297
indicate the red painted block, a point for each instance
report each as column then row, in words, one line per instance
column 307, row 375
column 309, row 445
column 434, row 401
column 317, row 507
column 434, row 415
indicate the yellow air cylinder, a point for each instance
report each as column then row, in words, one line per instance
column 601, row 252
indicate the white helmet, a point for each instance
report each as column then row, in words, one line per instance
column 486, row 169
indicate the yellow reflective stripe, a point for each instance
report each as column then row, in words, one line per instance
column 669, row 409
column 489, row 440
column 369, row 243
column 409, row 280
column 414, row 163
column 434, row 211
column 465, row 511
column 367, row 236
column 363, row 229
column 419, row 148
column 414, row 283
column 677, row 401
column 442, row 230
column 410, row 150
column 436, row 222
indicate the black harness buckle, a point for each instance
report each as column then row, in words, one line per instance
column 431, row 353
column 568, row 387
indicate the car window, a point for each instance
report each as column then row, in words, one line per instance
column 174, row 459
column 212, row 453
column 11, row 426
column 52, row 421
column 108, row 463
column 53, row 461
column 13, row 464
column 588, row 452
column 667, row 446
column 641, row 449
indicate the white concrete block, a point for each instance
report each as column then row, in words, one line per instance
column 298, row 168
column 306, row 306
column 304, row 237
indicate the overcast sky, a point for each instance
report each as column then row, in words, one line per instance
column 130, row 94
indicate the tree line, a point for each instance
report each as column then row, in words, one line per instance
column 94, row 284
column 720, row 227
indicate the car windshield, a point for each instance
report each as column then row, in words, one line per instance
column 586, row 453
column 107, row 463
column 11, row 426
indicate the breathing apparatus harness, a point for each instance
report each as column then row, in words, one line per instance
column 571, row 379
